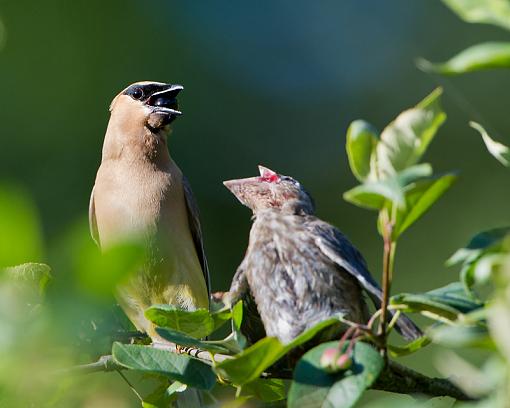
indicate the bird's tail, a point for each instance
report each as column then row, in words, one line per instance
column 407, row 328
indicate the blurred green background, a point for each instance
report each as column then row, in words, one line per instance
column 274, row 83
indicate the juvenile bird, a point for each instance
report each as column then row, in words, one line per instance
column 299, row 269
column 140, row 192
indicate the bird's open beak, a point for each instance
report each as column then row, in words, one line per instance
column 236, row 185
column 165, row 101
column 239, row 187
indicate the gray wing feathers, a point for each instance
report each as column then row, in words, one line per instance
column 196, row 230
column 337, row 247
column 94, row 232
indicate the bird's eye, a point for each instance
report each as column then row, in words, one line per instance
column 137, row 93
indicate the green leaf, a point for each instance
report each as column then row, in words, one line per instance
column 405, row 140
column 237, row 318
column 374, row 195
column 237, row 315
column 188, row 341
column 498, row 318
column 220, row 317
column 20, row 232
column 36, row 275
column 420, row 196
column 448, row 302
column 101, row 272
column 251, row 362
column 478, row 57
column 313, row 387
column 461, row 336
column 177, row 367
column 484, row 253
column 495, row 12
column 266, row 390
column 414, row 173
column 486, row 241
column 498, row 150
column 409, row 348
column 197, row 323
column 233, row 343
column 362, row 139
column 163, row 396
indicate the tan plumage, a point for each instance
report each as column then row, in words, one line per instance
column 140, row 192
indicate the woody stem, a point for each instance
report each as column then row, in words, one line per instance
column 388, row 266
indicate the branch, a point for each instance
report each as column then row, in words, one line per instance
column 403, row 380
column 106, row 363
column 395, row 378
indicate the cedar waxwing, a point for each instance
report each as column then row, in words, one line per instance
column 299, row 269
column 140, row 192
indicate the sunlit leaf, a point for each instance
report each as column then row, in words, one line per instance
column 374, row 195
column 414, row 173
column 251, row 362
column 313, row 387
column 496, row 12
column 20, row 232
column 405, row 140
column 177, row 367
column 237, row 320
column 362, row 139
column 478, row 57
column 449, row 301
column 496, row 149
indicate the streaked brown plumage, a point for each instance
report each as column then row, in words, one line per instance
column 299, row 269
column 140, row 192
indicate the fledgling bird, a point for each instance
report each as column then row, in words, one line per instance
column 140, row 192
column 299, row 269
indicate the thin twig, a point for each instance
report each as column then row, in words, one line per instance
column 130, row 385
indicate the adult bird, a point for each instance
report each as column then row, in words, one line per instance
column 140, row 192
column 299, row 269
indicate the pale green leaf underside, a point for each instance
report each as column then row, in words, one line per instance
column 498, row 150
column 495, row 12
column 478, row 57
